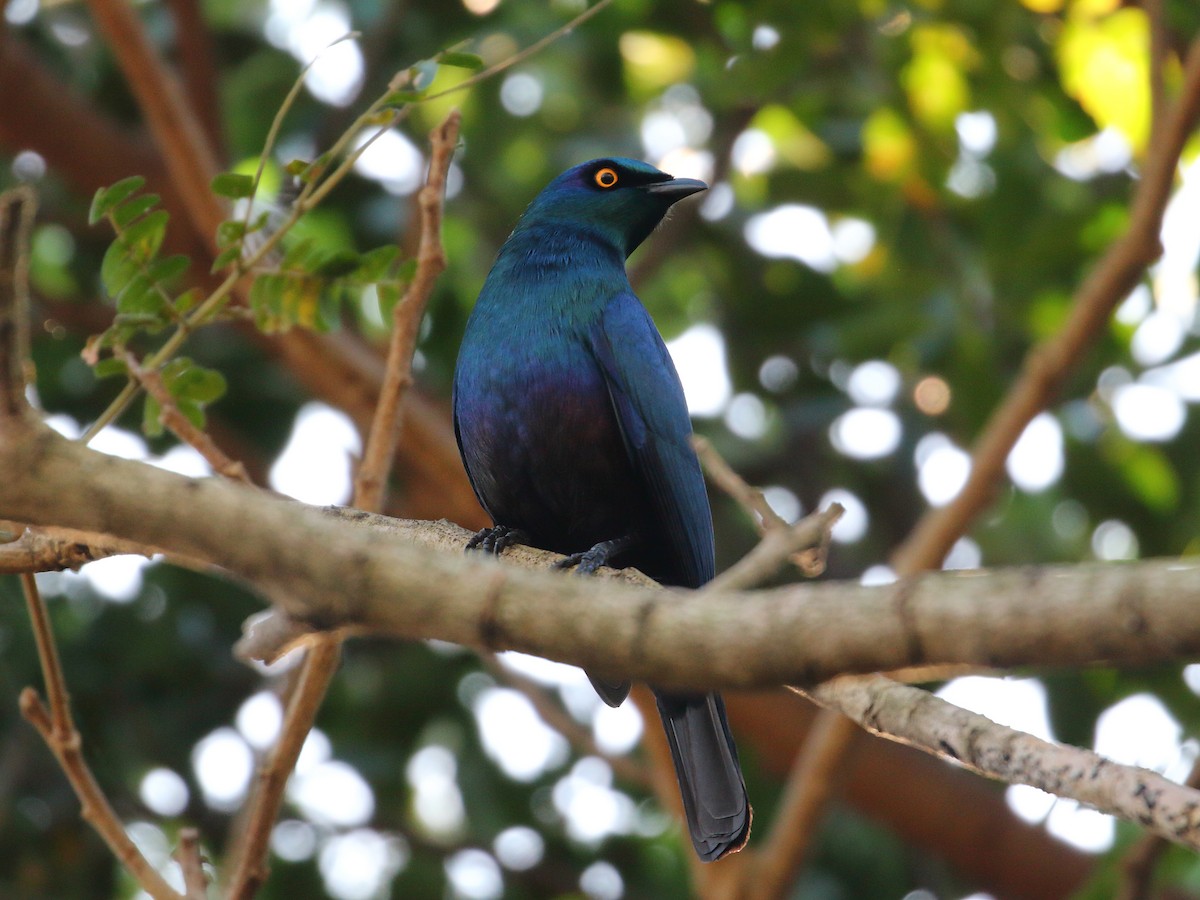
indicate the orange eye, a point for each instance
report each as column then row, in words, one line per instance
column 606, row 178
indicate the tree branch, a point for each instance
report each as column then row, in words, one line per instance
column 323, row 572
column 35, row 550
column 17, row 209
column 181, row 426
column 187, row 854
column 406, row 323
column 251, row 869
column 916, row 717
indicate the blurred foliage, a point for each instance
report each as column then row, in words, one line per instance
column 965, row 132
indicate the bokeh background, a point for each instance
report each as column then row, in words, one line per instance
column 904, row 197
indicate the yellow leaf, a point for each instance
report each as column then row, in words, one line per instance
column 935, row 78
column 1104, row 65
column 655, row 61
column 888, row 145
column 792, row 141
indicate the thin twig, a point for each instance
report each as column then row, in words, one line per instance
column 57, row 729
column 36, row 551
column 777, row 546
column 406, row 323
column 811, row 561
column 183, row 427
column 188, row 855
column 517, row 58
column 751, row 499
column 320, row 662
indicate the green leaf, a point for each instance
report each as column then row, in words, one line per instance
column 116, row 268
column 189, row 382
column 145, row 236
column 106, row 368
column 132, row 209
column 266, row 300
column 232, row 185
column 460, row 60
column 374, row 264
column 308, row 171
column 151, row 421
column 400, row 98
column 302, row 254
column 162, row 271
column 106, row 198
column 335, row 263
column 140, row 296
column 187, row 301
column 193, row 412
column 389, row 295
column 226, row 257
column 230, row 231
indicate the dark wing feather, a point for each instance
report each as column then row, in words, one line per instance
column 648, row 399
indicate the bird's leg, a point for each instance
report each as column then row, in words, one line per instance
column 587, row 562
column 494, row 540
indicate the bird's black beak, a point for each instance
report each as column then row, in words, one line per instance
column 676, row 188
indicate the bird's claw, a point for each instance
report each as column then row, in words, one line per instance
column 588, row 561
column 496, row 540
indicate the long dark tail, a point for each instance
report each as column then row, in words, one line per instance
column 710, row 779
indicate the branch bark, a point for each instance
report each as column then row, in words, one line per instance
column 322, row 572
column 916, row 717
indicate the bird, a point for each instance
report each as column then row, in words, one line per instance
column 574, row 431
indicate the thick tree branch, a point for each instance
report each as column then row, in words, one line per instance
column 17, row 208
column 321, row 571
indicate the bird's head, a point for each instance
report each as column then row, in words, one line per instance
column 621, row 199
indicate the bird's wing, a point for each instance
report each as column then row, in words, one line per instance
column 648, row 399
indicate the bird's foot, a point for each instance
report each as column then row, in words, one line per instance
column 587, row 562
column 496, row 540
